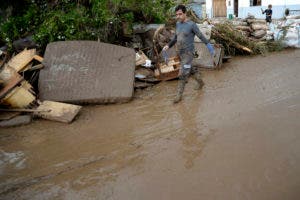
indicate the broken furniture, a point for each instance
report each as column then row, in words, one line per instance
column 168, row 70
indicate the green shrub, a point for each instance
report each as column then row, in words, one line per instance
column 51, row 20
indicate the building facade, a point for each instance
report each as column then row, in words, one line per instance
column 241, row 8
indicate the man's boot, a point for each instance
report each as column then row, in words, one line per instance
column 180, row 89
column 199, row 81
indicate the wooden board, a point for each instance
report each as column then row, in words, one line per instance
column 60, row 112
column 20, row 97
column 22, row 59
column 38, row 58
column 170, row 71
column 10, row 79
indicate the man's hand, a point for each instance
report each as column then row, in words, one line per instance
column 210, row 49
column 165, row 48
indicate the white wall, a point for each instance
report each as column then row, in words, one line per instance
column 280, row 2
column 209, row 8
column 230, row 8
column 278, row 7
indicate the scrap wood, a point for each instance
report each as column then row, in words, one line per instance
column 22, row 59
column 27, row 67
column 8, row 73
column 10, row 79
column 155, row 39
column 237, row 45
column 20, row 96
column 36, row 67
column 24, row 110
column 61, row 112
column 38, row 58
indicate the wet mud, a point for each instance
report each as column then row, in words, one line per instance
column 238, row 138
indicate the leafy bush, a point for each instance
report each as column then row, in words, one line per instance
column 52, row 20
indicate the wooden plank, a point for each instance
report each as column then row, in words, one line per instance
column 22, row 59
column 23, row 110
column 60, row 112
column 38, row 58
column 36, row 67
column 19, row 97
column 29, row 66
column 10, row 79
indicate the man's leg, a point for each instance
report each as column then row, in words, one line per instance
column 197, row 76
column 180, row 88
column 185, row 69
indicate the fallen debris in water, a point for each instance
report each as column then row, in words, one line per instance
column 168, row 70
column 16, row 121
column 60, row 112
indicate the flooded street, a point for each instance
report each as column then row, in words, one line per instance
column 238, row 138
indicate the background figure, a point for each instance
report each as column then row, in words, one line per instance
column 268, row 13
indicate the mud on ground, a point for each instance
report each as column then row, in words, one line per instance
column 238, row 138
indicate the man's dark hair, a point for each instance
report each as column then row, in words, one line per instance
column 180, row 7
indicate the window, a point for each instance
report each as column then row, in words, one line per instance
column 255, row 2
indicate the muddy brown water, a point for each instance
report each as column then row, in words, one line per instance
column 238, row 138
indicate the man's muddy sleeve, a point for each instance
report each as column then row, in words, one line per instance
column 173, row 41
column 199, row 34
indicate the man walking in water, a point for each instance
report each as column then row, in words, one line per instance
column 184, row 37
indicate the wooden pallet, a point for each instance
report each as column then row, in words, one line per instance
column 170, row 71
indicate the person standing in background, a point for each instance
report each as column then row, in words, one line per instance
column 268, row 13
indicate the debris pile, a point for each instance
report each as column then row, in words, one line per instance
column 93, row 72
column 238, row 42
column 288, row 31
column 250, row 27
column 18, row 77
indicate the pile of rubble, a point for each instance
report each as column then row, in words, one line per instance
column 162, row 66
column 288, row 31
column 255, row 29
column 76, row 72
column 18, row 98
column 81, row 72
